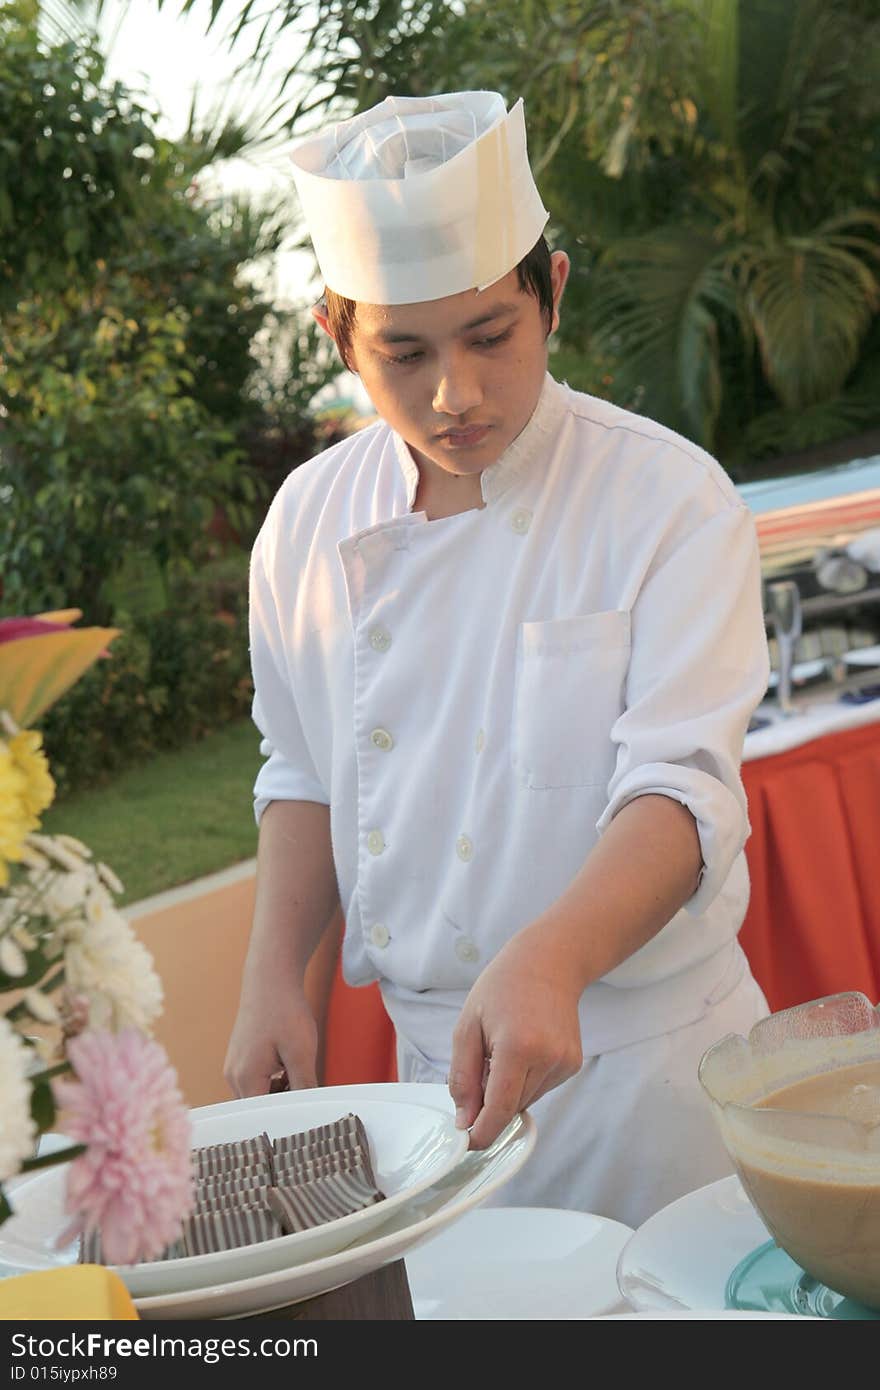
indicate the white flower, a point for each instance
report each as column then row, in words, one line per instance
column 41, row 1007
column 98, row 905
column 105, row 962
column 65, row 893
column 17, row 1130
column 75, row 846
column 26, row 940
column 9, row 910
column 46, row 1050
column 13, row 960
column 109, row 878
column 32, row 857
column 54, row 849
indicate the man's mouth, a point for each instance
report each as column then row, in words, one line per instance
column 472, row 434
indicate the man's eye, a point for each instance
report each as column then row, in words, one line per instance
column 493, row 342
column 404, row 358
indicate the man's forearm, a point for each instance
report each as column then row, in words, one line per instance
column 297, row 893
column 644, row 868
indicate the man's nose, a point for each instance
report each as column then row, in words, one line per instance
column 457, row 391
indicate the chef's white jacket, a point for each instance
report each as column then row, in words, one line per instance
column 476, row 697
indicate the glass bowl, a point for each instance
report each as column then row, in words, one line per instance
column 798, row 1107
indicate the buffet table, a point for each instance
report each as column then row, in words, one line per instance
column 813, row 923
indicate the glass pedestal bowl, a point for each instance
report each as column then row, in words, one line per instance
column 798, row 1107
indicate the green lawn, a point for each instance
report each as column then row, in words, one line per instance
column 185, row 813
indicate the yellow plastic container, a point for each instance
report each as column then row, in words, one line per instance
column 76, row 1293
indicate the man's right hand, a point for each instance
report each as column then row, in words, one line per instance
column 296, row 901
column 272, row 1034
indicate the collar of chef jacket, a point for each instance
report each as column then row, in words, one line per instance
column 529, row 445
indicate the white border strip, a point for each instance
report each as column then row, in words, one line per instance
column 186, row 892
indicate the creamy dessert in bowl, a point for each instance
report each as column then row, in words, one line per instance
column 798, row 1107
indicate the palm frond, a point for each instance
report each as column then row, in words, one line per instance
column 62, row 20
column 788, row 431
column 810, row 300
column 720, row 21
column 655, row 312
column 801, row 65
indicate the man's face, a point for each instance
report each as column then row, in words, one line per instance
column 458, row 378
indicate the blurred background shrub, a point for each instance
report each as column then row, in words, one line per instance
column 175, row 675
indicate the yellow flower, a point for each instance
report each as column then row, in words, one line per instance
column 28, row 756
column 14, row 819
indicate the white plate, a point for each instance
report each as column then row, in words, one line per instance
column 700, row 1314
column 477, row 1176
column 801, row 672
column 863, row 656
column 414, row 1144
column 519, row 1263
column 683, row 1255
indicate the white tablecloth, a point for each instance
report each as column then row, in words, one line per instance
column 814, row 721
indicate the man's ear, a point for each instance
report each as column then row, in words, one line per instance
column 560, row 265
column 319, row 314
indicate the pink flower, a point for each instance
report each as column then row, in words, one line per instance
column 134, row 1181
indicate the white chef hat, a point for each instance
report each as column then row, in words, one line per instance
column 420, row 197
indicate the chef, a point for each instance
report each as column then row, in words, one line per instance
column 505, row 642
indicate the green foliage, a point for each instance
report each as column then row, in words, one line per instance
column 105, row 450
column 711, row 166
column 73, row 152
column 42, row 1104
column 171, row 677
column 130, row 392
column 157, row 822
column 297, row 361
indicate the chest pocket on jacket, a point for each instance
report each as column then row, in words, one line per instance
column 570, row 690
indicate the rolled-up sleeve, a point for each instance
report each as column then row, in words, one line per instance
column 289, row 773
column 698, row 667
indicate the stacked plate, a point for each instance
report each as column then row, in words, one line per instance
column 709, row 1254
column 517, row 1264
column 421, row 1164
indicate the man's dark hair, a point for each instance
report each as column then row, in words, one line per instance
column 534, row 278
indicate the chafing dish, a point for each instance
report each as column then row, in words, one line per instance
column 819, row 536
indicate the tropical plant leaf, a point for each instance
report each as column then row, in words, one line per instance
column 810, row 300
column 721, row 94
column 776, row 432
column 655, row 312
column 62, row 616
column 36, row 671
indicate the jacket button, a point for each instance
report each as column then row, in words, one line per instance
column 380, row 738
column 464, row 848
column 380, row 638
column 375, row 842
column 466, row 950
column 380, row 935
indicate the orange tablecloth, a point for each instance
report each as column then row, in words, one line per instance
column 813, row 924
column 359, row 1039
